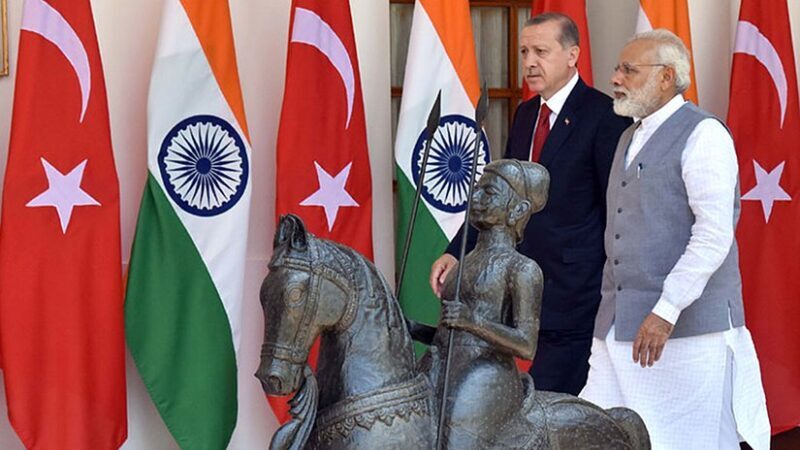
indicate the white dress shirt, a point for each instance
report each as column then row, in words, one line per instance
column 710, row 172
column 556, row 104
column 557, row 100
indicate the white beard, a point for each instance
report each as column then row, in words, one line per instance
column 640, row 102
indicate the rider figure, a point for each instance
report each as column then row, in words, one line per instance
column 497, row 317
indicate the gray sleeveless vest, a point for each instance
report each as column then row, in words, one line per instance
column 648, row 226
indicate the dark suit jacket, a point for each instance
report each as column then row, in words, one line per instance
column 566, row 237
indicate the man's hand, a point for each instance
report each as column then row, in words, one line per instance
column 439, row 270
column 650, row 340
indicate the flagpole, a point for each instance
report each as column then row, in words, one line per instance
column 480, row 116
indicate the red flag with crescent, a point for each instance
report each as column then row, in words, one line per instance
column 323, row 170
column 61, row 322
column 764, row 118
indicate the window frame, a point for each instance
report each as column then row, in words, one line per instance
column 513, row 93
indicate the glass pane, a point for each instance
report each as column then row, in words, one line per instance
column 523, row 14
column 395, row 118
column 401, row 15
column 490, row 30
column 496, row 126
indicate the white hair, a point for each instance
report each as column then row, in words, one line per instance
column 670, row 51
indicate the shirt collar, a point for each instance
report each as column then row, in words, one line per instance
column 654, row 120
column 557, row 100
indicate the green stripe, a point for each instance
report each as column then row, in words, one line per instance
column 429, row 242
column 177, row 329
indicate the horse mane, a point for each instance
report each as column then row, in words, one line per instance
column 350, row 264
column 342, row 264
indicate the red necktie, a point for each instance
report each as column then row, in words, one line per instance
column 541, row 133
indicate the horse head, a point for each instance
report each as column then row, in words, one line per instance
column 303, row 296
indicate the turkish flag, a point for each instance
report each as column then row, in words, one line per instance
column 576, row 10
column 323, row 171
column 61, row 320
column 765, row 121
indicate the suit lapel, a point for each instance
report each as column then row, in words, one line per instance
column 566, row 121
column 528, row 120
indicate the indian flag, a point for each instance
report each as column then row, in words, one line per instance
column 184, row 293
column 674, row 16
column 441, row 57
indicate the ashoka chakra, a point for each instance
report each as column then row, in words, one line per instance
column 203, row 164
column 446, row 183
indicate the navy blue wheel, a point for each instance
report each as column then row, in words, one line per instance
column 446, row 183
column 204, row 166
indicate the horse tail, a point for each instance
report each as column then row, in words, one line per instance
column 633, row 426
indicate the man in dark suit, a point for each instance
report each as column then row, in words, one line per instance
column 571, row 129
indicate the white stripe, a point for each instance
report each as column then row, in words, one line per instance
column 642, row 22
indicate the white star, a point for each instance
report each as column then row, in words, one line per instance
column 64, row 192
column 331, row 194
column 767, row 189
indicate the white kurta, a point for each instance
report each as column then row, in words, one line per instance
column 706, row 388
column 702, row 391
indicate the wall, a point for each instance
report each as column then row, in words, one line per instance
column 127, row 34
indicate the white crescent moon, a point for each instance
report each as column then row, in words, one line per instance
column 310, row 29
column 750, row 41
column 40, row 18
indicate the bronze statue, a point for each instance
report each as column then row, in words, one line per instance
column 498, row 315
column 369, row 393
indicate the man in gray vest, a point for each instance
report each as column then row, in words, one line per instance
column 669, row 338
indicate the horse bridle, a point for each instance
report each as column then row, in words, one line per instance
column 294, row 352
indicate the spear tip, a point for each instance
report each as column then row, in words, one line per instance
column 482, row 110
column 434, row 116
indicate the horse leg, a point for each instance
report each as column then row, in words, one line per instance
column 573, row 423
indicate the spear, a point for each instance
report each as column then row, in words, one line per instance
column 433, row 124
column 419, row 331
column 480, row 116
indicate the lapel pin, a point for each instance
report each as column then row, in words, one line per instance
column 566, row 121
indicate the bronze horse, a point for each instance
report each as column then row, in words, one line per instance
column 368, row 392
